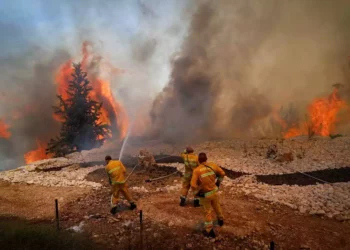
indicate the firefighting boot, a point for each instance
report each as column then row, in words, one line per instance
column 182, row 201
column 196, row 203
column 220, row 222
column 132, row 205
column 211, row 233
column 114, row 210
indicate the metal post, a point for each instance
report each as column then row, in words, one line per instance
column 57, row 217
column 141, row 230
column 272, row 245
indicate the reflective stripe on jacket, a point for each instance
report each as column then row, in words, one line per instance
column 191, row 161
column 204, row 177
column 116, row 171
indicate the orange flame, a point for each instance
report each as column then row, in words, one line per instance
column 4, row 133
column 112, row 112
column 323, row 116
column 36, row 154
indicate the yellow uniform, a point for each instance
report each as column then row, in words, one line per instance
column 191, row 162
column 116, row 173
column 204, row 183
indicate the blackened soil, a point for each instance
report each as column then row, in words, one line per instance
column 233, row 174
column 304, row 179
column 139, row 176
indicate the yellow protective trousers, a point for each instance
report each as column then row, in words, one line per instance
column 186, row 185
column 116, row 190
column 209, row 204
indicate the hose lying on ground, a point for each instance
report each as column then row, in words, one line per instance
column 162, row 177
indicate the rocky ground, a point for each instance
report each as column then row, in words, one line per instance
column 257, row 209
column 249, row 156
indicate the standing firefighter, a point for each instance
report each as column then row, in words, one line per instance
column 116, row 174
column 191, row 162
column 204, row 183
column 146, row 159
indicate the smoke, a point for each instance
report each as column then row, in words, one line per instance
column 37, row 37
column 191, row 68
column 243, row 60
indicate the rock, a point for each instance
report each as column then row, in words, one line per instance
column 320, row 212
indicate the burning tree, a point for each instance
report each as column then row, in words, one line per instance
column 81, row 129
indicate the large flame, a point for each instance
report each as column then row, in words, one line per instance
column 4, row 132
column 112, row 112
column 36, row 154
column 323, row 116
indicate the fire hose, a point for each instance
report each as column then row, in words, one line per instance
column 132, row 171
column 162, row 177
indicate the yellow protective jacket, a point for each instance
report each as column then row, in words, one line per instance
column 204, row 178
column 191, row 162
column 116, row 172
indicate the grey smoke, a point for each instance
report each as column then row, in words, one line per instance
column 242, row 60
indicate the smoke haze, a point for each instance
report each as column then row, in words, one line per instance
column 243, row 60
column 191, row 69
column 137, row 37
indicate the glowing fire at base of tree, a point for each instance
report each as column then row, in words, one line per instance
column 37, row 154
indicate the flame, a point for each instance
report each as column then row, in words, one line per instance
column 292, row 132
column 112, row 112
column 4, row 133
column 323, row 113
column 118, row 111
column 36, row 154
column 323, row 116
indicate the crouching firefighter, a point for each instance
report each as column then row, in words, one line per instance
column 191, row 162
column 205, row 182
column 116, row 174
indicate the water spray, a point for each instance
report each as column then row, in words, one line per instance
column 124, row 141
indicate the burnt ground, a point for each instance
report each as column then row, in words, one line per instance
column 328, row 175
column 139, row 176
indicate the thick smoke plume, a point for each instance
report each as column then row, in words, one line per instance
column 39, row 37
column 244, row 60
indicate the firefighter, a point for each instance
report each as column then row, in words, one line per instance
column 146, row 159
column 205, row 182
column 191, row 162
column 116, row 174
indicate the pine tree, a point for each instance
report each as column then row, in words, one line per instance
column 80, row 128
